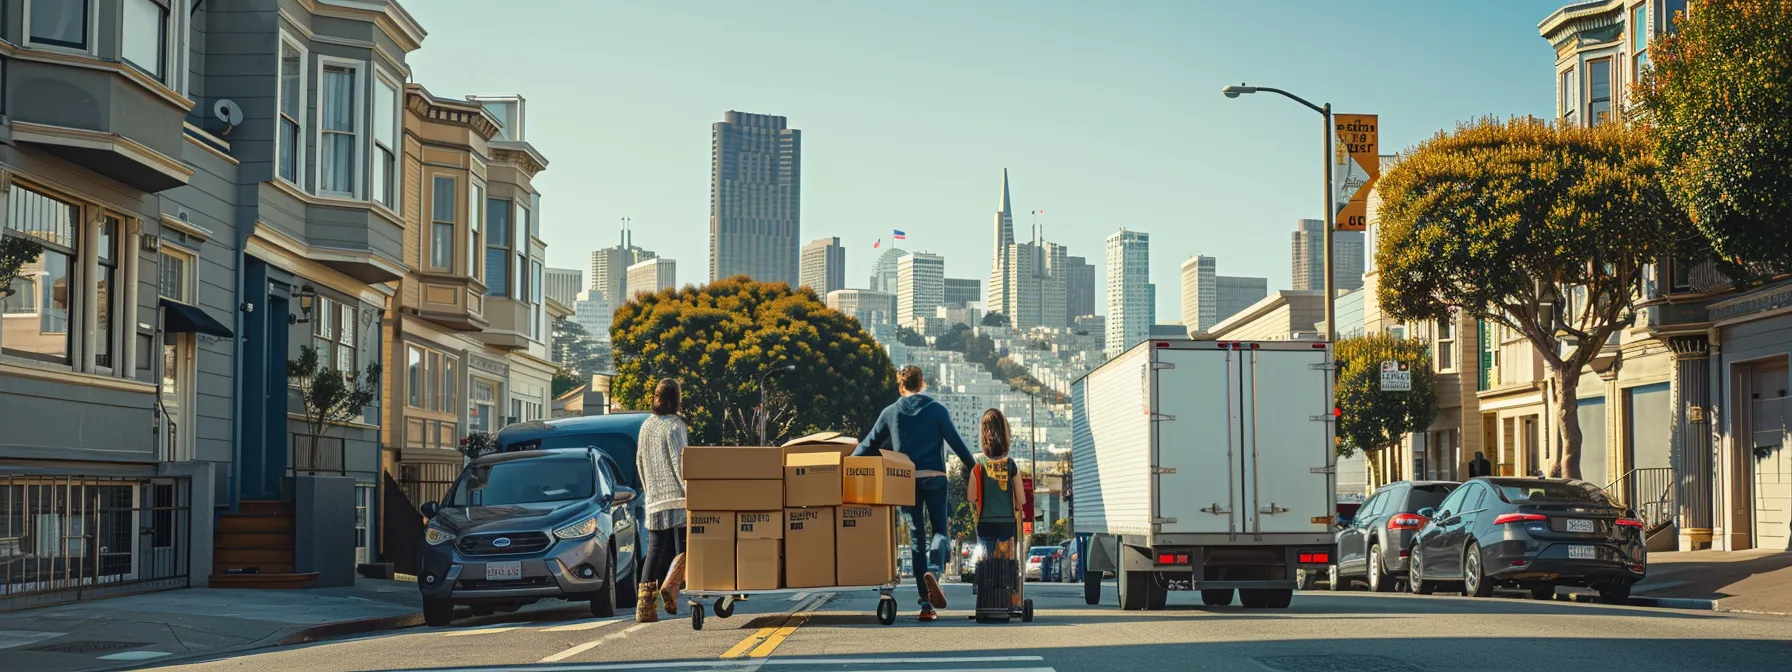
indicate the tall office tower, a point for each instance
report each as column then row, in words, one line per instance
column 998, row 298
column 652, row 276
column 755, row 190
column 1130, row 291
column 871, row 307
column 1079, row 289
column 564, row 285
column 963, row 291
column 920, row 286
column 883, row 272
column 609, row 268
column 1309, row 257
column 824, row 265
column 1237, row 294
column 1208, row 298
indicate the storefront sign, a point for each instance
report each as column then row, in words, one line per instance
column 487, row 365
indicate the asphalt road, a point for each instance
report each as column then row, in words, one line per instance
column 1321, row 632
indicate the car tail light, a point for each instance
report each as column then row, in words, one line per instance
column 1518, row 518
column 1630, row 522
column 1407, row 521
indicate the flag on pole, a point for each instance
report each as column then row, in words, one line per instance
column 879, row 242
column 900, row 235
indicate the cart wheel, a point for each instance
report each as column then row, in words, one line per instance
column 1026, row 611
column 724, row 607
column 886, row 611
column 696, row 617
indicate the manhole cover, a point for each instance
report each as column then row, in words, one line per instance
column 1335, row 663
column 87, row 646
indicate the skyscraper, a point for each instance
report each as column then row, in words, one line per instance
column 1309, row 257
column 963, row 291
column 609, row 275
column 997, row 300
column 1028, row 281
column 883, row 272
column 1209, row 298
column 1130, row 291
column 563, row 285
column 824, row 265
column 874, row 309
column 755, row 194
column 920, row 286
column 1079, row 289
column 652, row 276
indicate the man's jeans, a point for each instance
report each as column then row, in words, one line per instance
column 930, row 494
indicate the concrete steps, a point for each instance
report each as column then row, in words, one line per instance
column 253, row 548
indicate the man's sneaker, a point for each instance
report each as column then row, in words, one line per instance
column 927, row 613
column 935, row 596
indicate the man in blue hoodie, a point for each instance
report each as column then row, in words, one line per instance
column 920, row 428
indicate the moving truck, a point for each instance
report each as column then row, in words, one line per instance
column 1206, row 466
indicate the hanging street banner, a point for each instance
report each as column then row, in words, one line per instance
column 1356, row 164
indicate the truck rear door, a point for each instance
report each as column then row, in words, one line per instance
column 1287, row 479
column 1196, row 425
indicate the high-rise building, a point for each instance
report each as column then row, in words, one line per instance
column 1130, row 290
column 824, row 265
column 1209, row 298
column 963, row 291
column 874, row 309
column 1309, row 257
column 1028, row 281
column 609, row 269
column 997, row 299
column 591, row 311
column 564, row 284
column 1079, row 289
column 883, row 272
column 755, row 195
column 920, row 286
column 652, row 276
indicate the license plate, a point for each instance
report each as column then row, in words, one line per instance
column 1582, row 553
column 1179, row 584
column 503, row 571
column 1581, row 525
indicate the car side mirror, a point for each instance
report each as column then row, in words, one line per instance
column 624, row 495
column 430, row 509
column 1428, row 512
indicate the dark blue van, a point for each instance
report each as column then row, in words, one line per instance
column 615, row 436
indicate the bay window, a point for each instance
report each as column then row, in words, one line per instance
column 337, row 143
column 145, row 44
column 289, row 145
column 37, row 315
column 497, row 247
column 386, row 123
column 60, row 23
column 441, row 227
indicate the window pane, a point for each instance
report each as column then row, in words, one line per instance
column 497, row 271
column 385, row 114
column 105, row 303
column 382, row 176
column 449, row 378
column 1599, row 90
column 173, row 282
column 414, row 382
column 291, row 69
column 475, row 214
column 345, row 327
column 441, row 249
column 145, row 29
column 338, row 142
column 1639, row 28
column 289, row 155
column 339, row 162
column 433, row 372
column 36, row 324
column 59, row 22
column 497, row 252
column 497, row 216
column 41, row 217
column 339, row 99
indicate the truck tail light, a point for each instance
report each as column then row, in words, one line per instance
column 1315, row 558
column 1172, row 559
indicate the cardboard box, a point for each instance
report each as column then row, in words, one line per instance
column 809, row 547
column 734, row 495
column 865, row 545
column 709, row 550
column 756, row 564
column 759, row 525
column 812, row 479
column 886, row 478
column 823, row 442
column 733, row 462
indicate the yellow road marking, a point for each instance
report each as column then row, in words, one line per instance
column 765, row 640
column 747, row 644
column 771, row 643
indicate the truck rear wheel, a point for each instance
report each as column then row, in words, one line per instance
column 1133, row 587
column 1092, row 588
column 1157, row 596
column 1216, row 597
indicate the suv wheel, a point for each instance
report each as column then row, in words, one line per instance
column 1379, row 581
column 603, row 602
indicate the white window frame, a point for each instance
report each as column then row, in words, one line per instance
column 475, row 228
column 287, row 40
column 93, row 28
column 357, row 182
column 519, row 247
column 170, row 40
column 397, row 150
column 1443, row 344
column 115, row 296
column 188, row 295
column 429, row 256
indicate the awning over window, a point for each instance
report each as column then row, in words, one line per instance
column 180, row 318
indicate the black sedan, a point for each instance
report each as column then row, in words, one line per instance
column 1529, row 533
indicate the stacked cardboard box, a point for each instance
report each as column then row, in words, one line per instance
column 735, row 496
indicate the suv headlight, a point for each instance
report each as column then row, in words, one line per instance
column 437, row 536
column 582, row 528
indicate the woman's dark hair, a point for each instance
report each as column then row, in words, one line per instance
column 995, row 434
column 910, row 379
column 665, row 397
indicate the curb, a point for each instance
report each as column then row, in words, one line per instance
column 343, row 628
column 1686, row 603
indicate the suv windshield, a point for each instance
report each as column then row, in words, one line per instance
column 523, row 481
column 620, row 447
column 1517, row 491
column 1042, row 551
column 1429, row 495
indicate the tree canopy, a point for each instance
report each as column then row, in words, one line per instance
column 717, row 339
column 1373, row 420
column 1545, row 229
column 995, row 319
column 1716, row 106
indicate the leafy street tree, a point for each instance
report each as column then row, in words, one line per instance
column 716, row 340
column 1372, row 420
column 994, row 319
column 1716, row 106
column 910, row 337
column 1543, row 229
column 330, row 396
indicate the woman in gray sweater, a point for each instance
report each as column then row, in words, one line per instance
column 659, row 457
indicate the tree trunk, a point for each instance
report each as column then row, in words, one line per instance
column 1564, row 379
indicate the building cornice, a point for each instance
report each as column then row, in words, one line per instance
column 1581, row 16
column 471, row 116
column 388, row 15
column 520, row 154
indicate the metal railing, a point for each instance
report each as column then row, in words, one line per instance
column 313, row 454
column 1650, row 492
column 66, row 538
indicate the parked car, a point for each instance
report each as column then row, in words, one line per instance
column 1043, row 563
column 519, row 527
column 1529, row 533
column 1374, row 545
column 969, row 554
column 1067, row 570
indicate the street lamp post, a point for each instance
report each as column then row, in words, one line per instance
column 762, row 414
column 1325, row 111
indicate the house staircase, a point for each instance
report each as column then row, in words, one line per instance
column 253, row 548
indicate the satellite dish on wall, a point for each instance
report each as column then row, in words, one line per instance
column 228, row 112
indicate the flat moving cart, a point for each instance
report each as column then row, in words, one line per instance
column 724, row 599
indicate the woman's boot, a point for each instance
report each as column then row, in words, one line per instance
column 674, row 582
column 645, row 609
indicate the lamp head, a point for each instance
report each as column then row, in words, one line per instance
column 1236, row 91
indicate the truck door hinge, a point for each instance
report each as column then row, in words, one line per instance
column 1216, row 510
column 1163, row 521
column 1163, row 470
column 1323, row 470
column 1323, row 366
column 1322, row 418
column 1161, row 417
column 1272, row 509
column 1159, row 366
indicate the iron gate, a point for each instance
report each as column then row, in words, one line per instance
column 65, row 538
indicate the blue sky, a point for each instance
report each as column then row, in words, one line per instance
column 1105, row 114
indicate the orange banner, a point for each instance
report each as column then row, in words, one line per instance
column 1356, row 164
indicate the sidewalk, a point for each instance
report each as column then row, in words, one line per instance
column 166, row 626
column 1741, row 581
